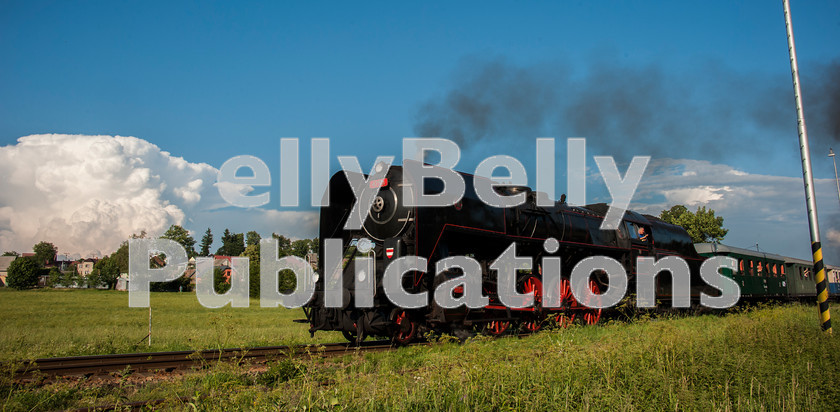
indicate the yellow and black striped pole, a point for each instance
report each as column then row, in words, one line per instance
column 822, row 286
column 808, row 177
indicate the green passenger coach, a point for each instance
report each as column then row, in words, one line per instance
column 763, row 275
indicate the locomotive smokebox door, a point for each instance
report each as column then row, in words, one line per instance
column 393, row 249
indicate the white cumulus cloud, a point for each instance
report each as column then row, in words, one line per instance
column 759, row 209
column 88, row 193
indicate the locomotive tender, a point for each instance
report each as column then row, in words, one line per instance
column 474, row 229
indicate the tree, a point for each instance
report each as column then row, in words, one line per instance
column 316, row 245
column 252, row 252
column 54, row 277
column 69, row 277
column 702, row 226
column 120, row 257
column 177, row 285
column 11, row 253
column 106, row 272
column 233, row 244
column 182, row 236
column 252, row 238
column 23, row 273
column 300, row 247
column 206, row 242
column 224, row 248
column 284, row 245
column 44, row 253
column 237, row 244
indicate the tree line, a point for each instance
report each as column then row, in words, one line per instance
column 247, row 245
column 23, row 273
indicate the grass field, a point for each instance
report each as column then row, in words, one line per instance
column 771, row 358
column 64, row 322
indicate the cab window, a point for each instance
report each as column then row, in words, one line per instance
column 633, row 232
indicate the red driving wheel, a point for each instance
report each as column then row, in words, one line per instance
column 564, row 320
column 406, row 329
column 532, row 284
column 591, row 316
column 497, row 327
column 565, row 292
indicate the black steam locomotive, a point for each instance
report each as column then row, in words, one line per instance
column 474, row 229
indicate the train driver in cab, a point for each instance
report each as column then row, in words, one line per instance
column 643, row 236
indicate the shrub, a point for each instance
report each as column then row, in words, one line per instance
column 177, row 285
column 54, row 278
column 23, row 274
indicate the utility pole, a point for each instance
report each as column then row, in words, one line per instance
column 808, row 177
column 836, row 180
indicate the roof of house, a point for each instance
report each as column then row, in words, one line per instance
column 5, row 261
column 220, row 260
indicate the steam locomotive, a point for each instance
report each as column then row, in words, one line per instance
column 474, row 229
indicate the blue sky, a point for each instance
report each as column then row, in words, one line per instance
column 207, row 81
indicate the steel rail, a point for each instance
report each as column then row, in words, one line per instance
column 169, row 361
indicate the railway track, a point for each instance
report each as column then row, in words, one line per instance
column 170, row 361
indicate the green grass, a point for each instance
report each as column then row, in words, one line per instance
column 66, row 322
column 773, row 358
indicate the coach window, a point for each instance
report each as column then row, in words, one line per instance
column 782, row 267
column 760, row 271
column 752, row 268
column 741, row 266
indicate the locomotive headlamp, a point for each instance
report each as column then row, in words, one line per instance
column 362, row 276
column 365, row 245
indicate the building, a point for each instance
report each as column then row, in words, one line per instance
column 312, row 258
column 63, row 262
column 219, row 261
column 122, row 282
column 223, row 262
column 84, row 267
column 5, row 261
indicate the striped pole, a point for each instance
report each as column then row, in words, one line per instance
column 808, row 177
column 822, row 286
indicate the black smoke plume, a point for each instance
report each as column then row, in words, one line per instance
column 709, row 111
